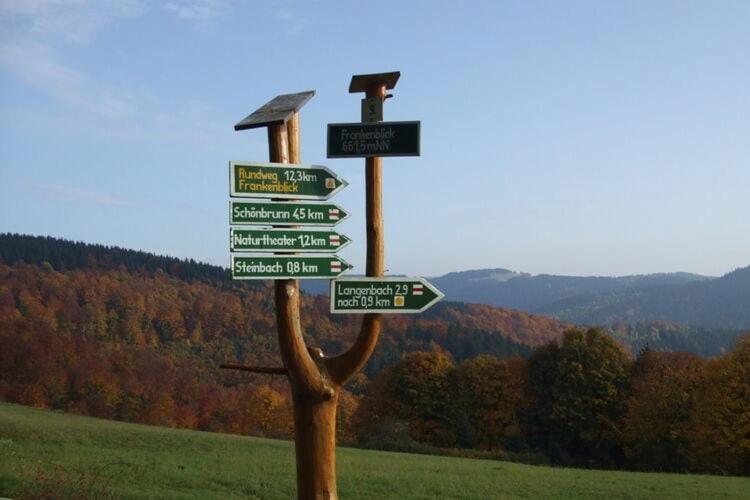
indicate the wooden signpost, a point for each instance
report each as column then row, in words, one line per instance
column 315, row 378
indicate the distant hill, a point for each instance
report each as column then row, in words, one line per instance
column 719, row 303
column 126, row 296
column 65, row 255
column 463, row 329
column 504, row 288
column 525, row 292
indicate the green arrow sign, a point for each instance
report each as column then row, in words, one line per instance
column 285, row 240
column 249, row 267
column 280, row 180
column 382, row 295
column 285, row 214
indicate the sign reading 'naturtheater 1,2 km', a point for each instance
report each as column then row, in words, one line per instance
column 280, row 180
column 360, row 140
column 285, row 240
column 382, row 295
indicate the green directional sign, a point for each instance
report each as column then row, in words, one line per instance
column 285, row 240
column 382, row 295
column 249, row 267
column 284, row 214
column 281, row 180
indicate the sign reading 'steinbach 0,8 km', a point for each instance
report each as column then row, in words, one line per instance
column 281, row 267
column 384, row 295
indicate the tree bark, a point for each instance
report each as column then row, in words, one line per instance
column 314, row 395
column 315, row 444
column 344, row 366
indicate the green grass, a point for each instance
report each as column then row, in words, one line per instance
column 39, row 447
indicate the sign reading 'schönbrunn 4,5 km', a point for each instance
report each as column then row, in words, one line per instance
column 261, row 213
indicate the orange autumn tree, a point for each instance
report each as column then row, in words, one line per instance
column 488, row 392
column 661, row 400
column 417, row 391
column 720, row 424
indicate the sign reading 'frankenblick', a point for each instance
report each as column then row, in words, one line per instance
column 284, row 181
column 361, row 140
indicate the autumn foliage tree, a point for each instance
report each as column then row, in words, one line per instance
column 123, row 335
column 488, row 394
column 576, row 392
column 720, row 424
column 417, row 391
column 661, row 400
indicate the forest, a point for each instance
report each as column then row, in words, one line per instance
column 135, row 337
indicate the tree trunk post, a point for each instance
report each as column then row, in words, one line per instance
column 314, row 397
column 315, row 380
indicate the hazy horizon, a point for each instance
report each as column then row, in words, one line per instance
column 355, row 272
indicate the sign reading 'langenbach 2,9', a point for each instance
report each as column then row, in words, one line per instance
column 361, row 140
column 383, row 295
column 281, row 180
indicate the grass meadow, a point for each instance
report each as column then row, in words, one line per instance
column 46, row 453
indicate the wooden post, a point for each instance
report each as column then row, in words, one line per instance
column 314, row 397
column 346, row 365
column 315, row 380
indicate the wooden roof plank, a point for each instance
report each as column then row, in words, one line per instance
column 277, row 110
column 361, row 82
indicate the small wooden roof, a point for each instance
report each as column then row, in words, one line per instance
column 277, row 110
column 361, row 82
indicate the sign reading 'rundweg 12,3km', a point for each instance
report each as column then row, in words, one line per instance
column 382, row 295
column 281, row 180
column 361, row 140
column 285, row 214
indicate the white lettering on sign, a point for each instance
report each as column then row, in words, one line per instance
column 243, row 267
column 305, row 240
column 241, row 212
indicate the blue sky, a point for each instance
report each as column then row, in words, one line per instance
column 594, row 138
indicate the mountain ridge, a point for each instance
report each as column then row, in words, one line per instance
column 723, row 302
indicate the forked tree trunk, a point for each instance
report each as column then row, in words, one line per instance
column 316, row 380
